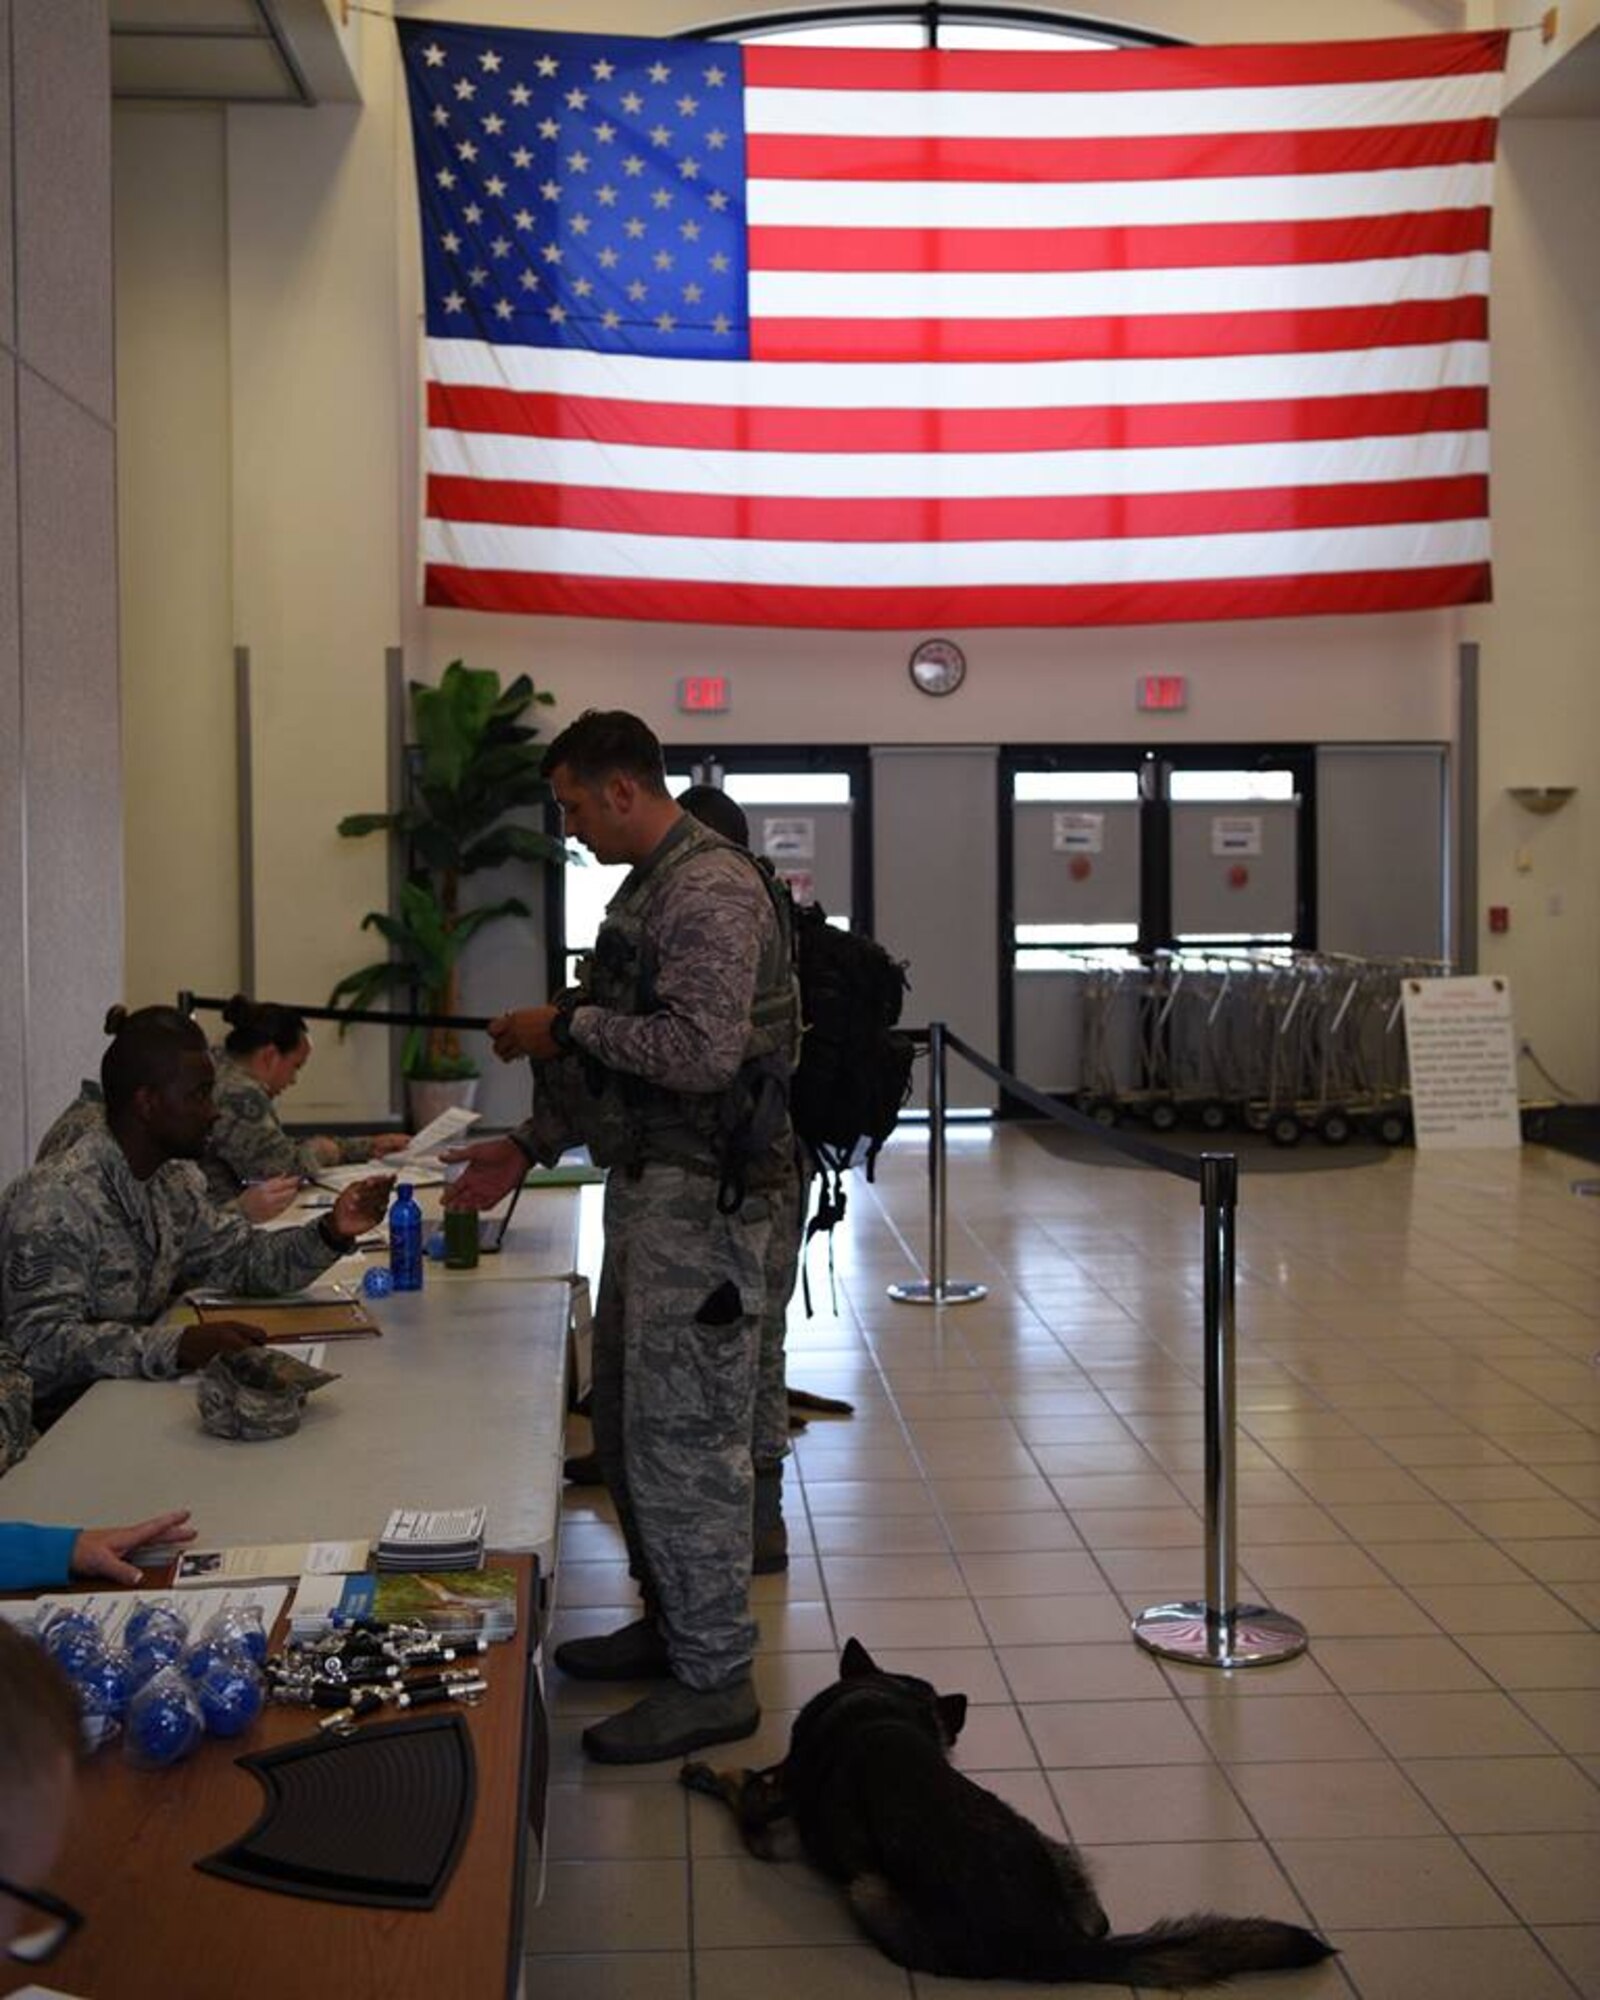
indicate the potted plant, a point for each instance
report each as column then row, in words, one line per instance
column 474, row 762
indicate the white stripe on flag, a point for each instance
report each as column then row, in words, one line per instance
column 955, row 475
column 1029, row 295
column 1118, row 114
column 911, row 565
column 1116, row 204
column 921, row 385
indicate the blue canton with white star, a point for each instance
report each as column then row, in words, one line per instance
column 580, row 190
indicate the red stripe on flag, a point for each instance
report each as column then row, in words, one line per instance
column 1085, row 517
column 1155, row 336
column 1114, row 69
column 1185, row 246
column 887, row 610
column 789, row 156
column 695, row 427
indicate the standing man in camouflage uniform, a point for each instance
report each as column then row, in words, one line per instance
column 99, row 1241
column 790, row 1200
column 684, row 1031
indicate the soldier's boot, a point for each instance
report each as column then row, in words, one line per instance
column 770, row 1538
column 583, row 1469
column 636, row 1652
column 673, row 1720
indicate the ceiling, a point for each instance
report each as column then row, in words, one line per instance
column 301, row 52
column 230, row 51
column 1570, row 88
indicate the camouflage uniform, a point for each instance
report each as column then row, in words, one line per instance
column 16, row 1410
column 686, row 1030
column 770, row 1444
column 83, row 1114
column 247, row 1143
column 90, row 1257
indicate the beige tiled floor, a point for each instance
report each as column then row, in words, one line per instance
column 1420, row 1484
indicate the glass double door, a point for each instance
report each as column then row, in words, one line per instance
column 1114, row 854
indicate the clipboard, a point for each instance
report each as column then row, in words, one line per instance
column 330, row 1314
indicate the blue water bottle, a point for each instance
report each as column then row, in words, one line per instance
column 405, row 1240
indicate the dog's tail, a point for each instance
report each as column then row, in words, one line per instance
column 1198, row 1950
column 821, row 1406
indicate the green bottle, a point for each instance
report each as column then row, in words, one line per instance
column 460, row 1239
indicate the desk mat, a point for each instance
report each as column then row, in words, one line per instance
column 377, row 1818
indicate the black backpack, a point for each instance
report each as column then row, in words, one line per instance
column 854, row 1072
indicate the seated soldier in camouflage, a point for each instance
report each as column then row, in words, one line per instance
column 98, row 1242
column 266, row 1048
column 84, row 1113
column 260, row 1202
column 16, row 1410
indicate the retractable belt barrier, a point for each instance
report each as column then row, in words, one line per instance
column 193, row 1003
column 1216, row 1630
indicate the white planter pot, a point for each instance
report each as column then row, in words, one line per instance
column 425, row 1100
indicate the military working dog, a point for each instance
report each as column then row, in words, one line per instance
column 943, row 1876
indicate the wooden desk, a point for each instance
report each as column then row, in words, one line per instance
column 158, row 1929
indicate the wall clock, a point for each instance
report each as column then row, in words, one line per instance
column 938, row 666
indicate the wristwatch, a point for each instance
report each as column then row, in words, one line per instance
column 334, row 1237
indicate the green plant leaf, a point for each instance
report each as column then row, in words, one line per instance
column 451, row 719
column 358, row 990
column 515, row 699
column 470, row 922
column 510, row 843
column 475, row 761
column 500, row 761
column 385, row 926
column 356, row 824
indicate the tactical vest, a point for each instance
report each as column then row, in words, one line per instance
column 741, row 1133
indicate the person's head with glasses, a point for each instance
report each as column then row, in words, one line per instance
column 39, row 1743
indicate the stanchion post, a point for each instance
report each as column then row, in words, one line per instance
column 1219, row 1198
column 1218, row 1631
column 938, row 1290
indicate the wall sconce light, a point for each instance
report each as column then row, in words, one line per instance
column 1541, row 799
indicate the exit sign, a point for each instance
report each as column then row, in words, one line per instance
column 705, row 694
column 1167, row 692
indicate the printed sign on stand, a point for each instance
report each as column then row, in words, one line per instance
column 1462, row 1051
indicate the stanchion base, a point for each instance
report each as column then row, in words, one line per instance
column 947, row 1294
column 1252, row 1637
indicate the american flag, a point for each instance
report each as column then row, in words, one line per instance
column 766, row 335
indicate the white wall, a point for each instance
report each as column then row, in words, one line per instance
column 175, row 509
column 319, row 296
column 1540, row 638
column 60, row 797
